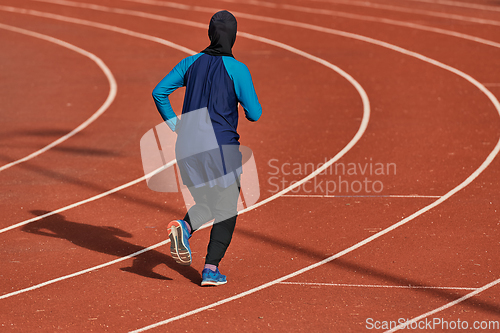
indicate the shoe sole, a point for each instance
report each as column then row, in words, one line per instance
column 212, row 283
column 178, row 249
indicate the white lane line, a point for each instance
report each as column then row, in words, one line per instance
column 444, row 307
column 373, row 286
column 459, row 187
column 387, row 21
column 99, row 26
column 105, row 27
column 94, row 198
column 97, row 114
column 461, row 4
column 364, row 97
column 483, row 166
column 349, row 146
column 364, row 124
column 465, row 183
column 84, row 271
column 360, row 196
column 414, row 11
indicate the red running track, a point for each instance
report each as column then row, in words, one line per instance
column 428, row 70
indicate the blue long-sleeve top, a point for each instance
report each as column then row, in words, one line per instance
column 216, row 82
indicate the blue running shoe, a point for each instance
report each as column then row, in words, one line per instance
column 179, row 243
column 211, row 278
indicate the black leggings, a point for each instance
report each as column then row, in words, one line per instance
column 220, row 204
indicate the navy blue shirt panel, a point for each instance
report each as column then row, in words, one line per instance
column 209, row 85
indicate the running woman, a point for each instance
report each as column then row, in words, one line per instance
column 215, row 83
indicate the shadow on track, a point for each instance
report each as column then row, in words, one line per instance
column 93, row 186
column 372, row 272
column 108, row 240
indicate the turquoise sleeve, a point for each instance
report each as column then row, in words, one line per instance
column 243, row 85
column 173, row 80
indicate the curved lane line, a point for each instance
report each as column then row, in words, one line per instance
column 94, row 198
column 461, row 4
column 413, row 11
column 436, row 30
column 101, row 26
column 389, row 21
column 373, row 41
column 444, row 307
column 299, row 24
column 97, row 114
column 105, row 27
column 364, row 97
column 289, row 23
column 83, row 271
column 459, row 187
column 364, row 124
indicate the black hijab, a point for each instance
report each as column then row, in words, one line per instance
column 222, row 34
